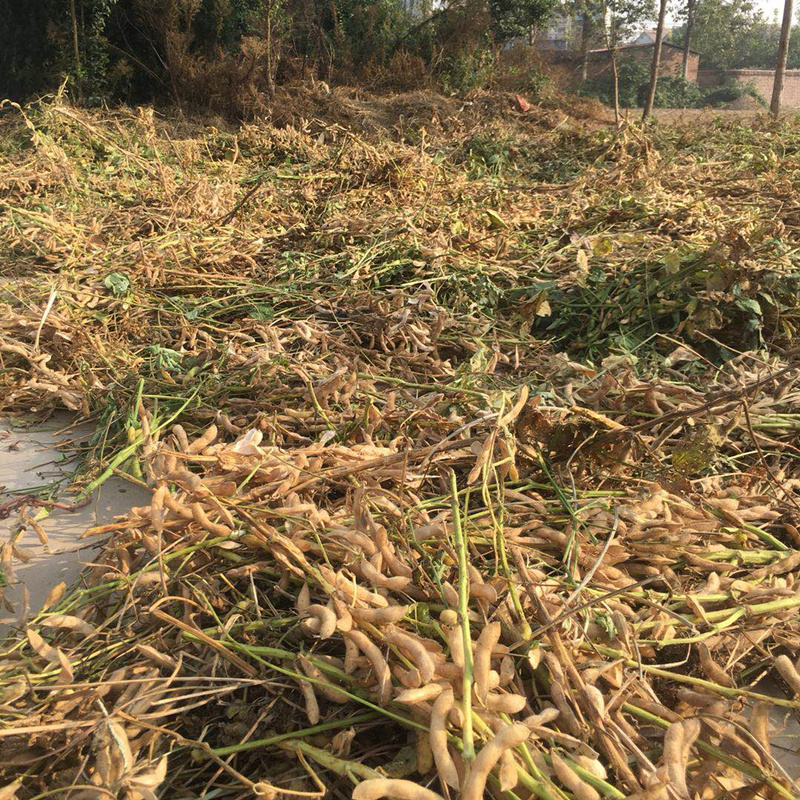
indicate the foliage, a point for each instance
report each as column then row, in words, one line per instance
column 226, row 53
column 736, row 34
column 467, row 70
column 671, row 92
column 625, row 16
column 720, row 95
column 512, row 18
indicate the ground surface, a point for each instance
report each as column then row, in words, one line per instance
column 449, row 413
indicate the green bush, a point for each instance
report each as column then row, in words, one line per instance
column 720, row 95
column 467, row 70
column 671, row 92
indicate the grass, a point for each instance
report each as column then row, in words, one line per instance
column 377, row 367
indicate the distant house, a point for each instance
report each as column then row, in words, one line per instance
column 599, row 61
column 648, row 36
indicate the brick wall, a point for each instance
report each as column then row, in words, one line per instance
column 671, row 60
column 762, row 79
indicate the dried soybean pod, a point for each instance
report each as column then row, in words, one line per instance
column 325, row 688
column 387, row 551
column 507, row 671
column 788, row 672
column 377, row 578
column 484, row 646
column 712, row 670
column 375, row 788
column 420, row 694
column 312, row 706
column 351, row 652
column 450, row 594
column 303, row 600
column 181, row 438
column 415, row 651
column 203, row 441
column 344, row 619
column 177, row 507
column 379, row 616
column 355, row 592
column 379, row 665
column 509, row 777
column 759, row 724
column 423, row 747
column 157, row 507
column 212, row 527
column 448, row 618
column 595, row 697
column 321, row 620
column 505, row 703
column 571, row 781
column 455, row 641
column 542, row 718
column 189, row 479
column 567, row 719
column 489, row 755
column 445, row 765
column 678, row 741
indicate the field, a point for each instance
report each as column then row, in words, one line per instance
column 472, row 442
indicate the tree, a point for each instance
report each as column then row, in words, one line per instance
column 623, row 17
column 691, row 6
column 512, row 18
column 651, row 92
column 780, row 68
column 724, row 31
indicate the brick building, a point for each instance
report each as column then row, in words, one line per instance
column 762, row 79
column 599, row 61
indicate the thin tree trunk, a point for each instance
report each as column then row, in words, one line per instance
column 75, row 44
column 691, row 8
column 615, row 71
column 651, row 92
column 586, row 32
column 268, row 37
column 783, row 51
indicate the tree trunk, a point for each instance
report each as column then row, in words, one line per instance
column 268, row 38
column 75, row 44
column 651, row 92
column 691, row 8
column 615, row 71
column 783, row 51
column 586, row 33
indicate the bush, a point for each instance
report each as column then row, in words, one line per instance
column 671, row 92
column 721, row 95
column 464, row 71
column 633, row 75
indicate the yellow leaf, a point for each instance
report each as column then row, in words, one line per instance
column 495, row 220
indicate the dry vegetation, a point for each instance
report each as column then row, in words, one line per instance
column 469, row 431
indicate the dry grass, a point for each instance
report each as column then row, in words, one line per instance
column 471, row 435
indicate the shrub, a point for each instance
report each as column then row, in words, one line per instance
column 721, row 95
column 466, row 70
column 671, row 92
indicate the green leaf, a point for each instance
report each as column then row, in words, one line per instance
column 262, row 311
column 118, row 282
column 748, row 304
